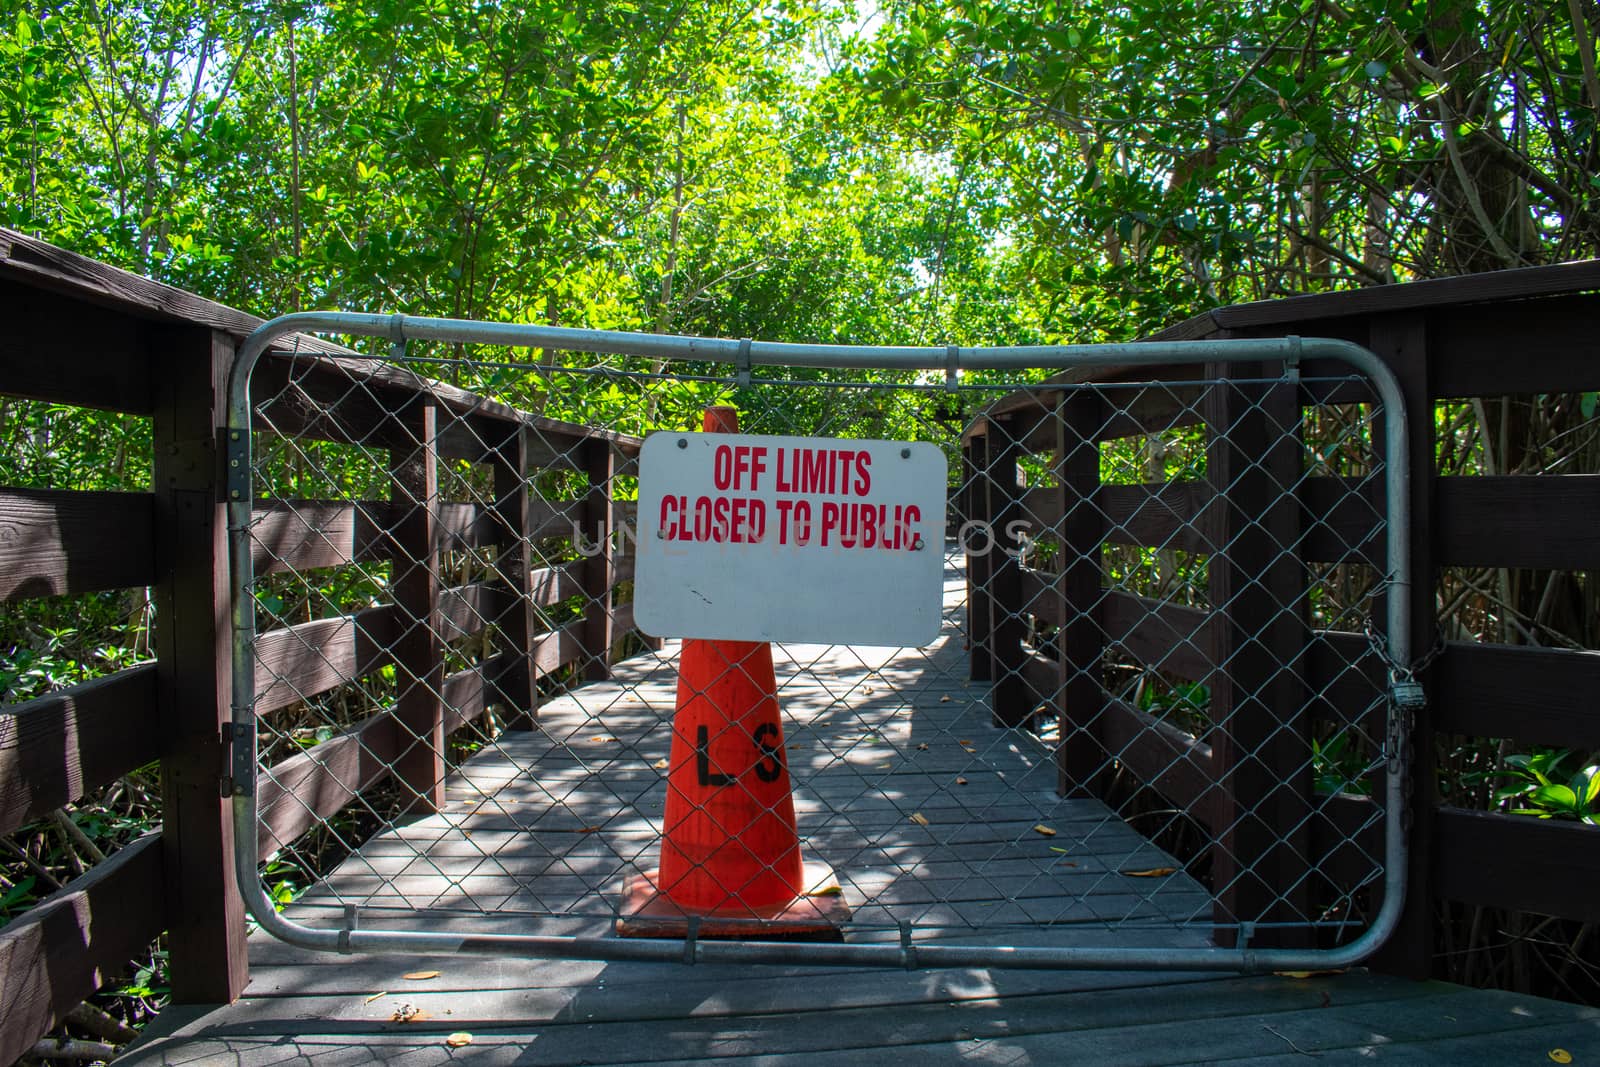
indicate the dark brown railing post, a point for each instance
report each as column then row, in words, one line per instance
column 1080, row 639
column 1401, row 339
column 418, row 653
column 1261, row 741
column 973, row 532
column 204, row 912
column 516, row 683
column 598, row 617
column 1011, row 698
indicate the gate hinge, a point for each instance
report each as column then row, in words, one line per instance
column 238, row 460
column 238, row 759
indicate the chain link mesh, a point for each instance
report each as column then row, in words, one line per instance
column 1151, row 717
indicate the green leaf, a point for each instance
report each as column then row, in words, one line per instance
column 1555, row 796
column 1586, row 785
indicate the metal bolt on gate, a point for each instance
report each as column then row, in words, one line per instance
column 1151, row 731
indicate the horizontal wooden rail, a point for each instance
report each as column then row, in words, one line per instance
column 54, row 542
column 1346, row 682
column 56, row 748
column 110, row 351
column 1499, row 691
column 1544, row 521
column 294, row 794
column 466, row 694
column 302, row 535
column 466, row 610
column 1518, row 862
column 60, row 951
column 309, row 786
column 1043, row 676
column 1162, row 756
column 1167, row 515
column 1553, row 339
column 1038, row 596
column 336, row 397
column 558, row 648
column 301, row 661
column 1168, row 637
column 1533, row 695
column 1342, row 520
column 1130, row 411
column 623, row 623
column 552, row 585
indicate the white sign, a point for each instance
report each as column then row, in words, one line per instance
column 815, row 540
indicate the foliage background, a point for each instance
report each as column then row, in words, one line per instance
column 798, row 170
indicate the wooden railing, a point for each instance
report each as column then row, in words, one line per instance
column 81, row 334
column 1520, row 332
column 89, row 336
column 348, row 400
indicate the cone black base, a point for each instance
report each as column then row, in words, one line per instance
column 816, row 915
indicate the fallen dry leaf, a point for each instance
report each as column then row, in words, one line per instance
column 1153, row 872
column 590, row 830
column 1058, row 848
column 1045, row 830
column 961, row 781
column 923, row 747
column 458, row 1039
column 420, row 976
column 375, row 996
column 1560, row 1055
column 660, row 764
column 919, row 818
column 945, row 699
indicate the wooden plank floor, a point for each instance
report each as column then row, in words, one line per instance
column 541, row 828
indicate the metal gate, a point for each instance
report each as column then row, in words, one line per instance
column 1164, row 723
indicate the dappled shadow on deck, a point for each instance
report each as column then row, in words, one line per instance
column 929, row 815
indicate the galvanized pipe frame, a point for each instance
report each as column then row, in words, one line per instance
column 743, row 354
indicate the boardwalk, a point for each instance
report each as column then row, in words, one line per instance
column 929, row 816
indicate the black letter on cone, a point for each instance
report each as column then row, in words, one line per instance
column 702, row 760
column 770, row 766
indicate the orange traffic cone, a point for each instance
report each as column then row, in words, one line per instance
column 730, row 855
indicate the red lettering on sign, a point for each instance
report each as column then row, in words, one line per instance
column 863, row 477
column 802, row 522
column 727, row 516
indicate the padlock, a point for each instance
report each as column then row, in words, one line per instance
column 1407, row 693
